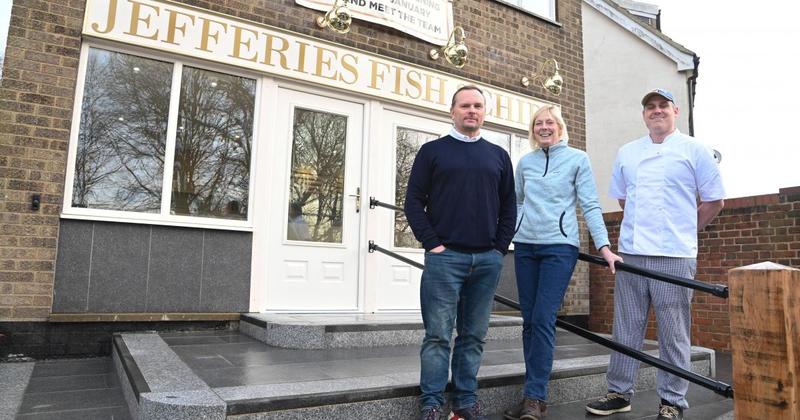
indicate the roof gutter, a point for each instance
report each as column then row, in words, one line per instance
column 691, row 84
column 658, row 20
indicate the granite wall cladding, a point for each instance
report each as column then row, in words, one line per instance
column 116, row 267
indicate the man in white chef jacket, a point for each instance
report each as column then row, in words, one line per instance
column 658, row 180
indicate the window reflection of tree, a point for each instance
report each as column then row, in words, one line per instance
column 119, row 159
column 408, row 143
column 213, row 145
column 317, row 184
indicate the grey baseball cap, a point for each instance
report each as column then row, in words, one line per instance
column 660, row 92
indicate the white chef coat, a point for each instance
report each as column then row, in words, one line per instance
column 660, row 184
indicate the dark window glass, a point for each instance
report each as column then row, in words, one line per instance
column 317, row 179
column 408, row 142
column 119, row 162
column 211, row 173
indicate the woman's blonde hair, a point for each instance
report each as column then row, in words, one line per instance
column 554, row 112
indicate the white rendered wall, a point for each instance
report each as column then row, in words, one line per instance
column 619, row 68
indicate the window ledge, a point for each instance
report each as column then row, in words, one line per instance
column 144, row 317
column 528, row 12
column 175, row 221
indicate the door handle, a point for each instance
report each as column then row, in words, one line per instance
column 357, row 195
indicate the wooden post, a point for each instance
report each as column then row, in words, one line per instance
column 765, row 341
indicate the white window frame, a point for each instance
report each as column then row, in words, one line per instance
column 163, row 217
column 514, row 136
column 549, row 15
column 5, row 27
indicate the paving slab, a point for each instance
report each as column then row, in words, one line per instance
column 12, row 387
column 68, row 389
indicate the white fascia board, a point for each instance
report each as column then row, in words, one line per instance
column 682, row 60
column 642, row 14
column 637, row 6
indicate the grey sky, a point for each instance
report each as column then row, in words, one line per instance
column 747, row 86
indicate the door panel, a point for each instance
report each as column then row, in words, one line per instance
column 313, row 249
column 397, row 283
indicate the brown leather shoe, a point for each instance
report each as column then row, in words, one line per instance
column 533, row 409
column 513, row 413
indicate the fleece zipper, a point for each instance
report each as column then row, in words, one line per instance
column 547, row 160
column 561, row 224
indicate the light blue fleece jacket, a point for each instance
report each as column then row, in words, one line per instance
column 548, row 183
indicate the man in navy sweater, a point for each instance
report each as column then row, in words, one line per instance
column 460, row 204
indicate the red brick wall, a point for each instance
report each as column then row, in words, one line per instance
column 749, row 230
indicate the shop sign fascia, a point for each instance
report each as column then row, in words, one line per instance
column 428, row 20
column 202, row 34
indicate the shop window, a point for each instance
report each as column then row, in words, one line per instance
column 127, row 163
column 119, row 164
column 520, row 146
column 542, row 8
column 501, row 139
column 211, row 170
column 515, row 146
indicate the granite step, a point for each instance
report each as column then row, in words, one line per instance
column 331, row 331
column 703, row 405
column 226, row 374
column 500, row 388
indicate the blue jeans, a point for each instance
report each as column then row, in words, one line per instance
column 543, row 273
column 457, row 288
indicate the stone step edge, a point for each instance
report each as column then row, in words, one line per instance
column 485, row 381
column 167, row 394
column 297, row 335
column 123, row 358
column 506, row 321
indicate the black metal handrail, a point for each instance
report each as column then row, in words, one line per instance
column 718, row 387
column 714, row 289
column 373, row 202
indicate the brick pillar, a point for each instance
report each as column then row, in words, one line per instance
column 36, row 95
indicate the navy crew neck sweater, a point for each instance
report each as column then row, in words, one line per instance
column 461, row 195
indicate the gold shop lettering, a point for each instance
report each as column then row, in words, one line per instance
column 191, row 31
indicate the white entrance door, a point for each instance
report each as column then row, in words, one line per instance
column 313, row 250
column 396, row 283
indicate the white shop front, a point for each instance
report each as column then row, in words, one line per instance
column 256, row 129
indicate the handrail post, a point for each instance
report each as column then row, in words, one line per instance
column 765, row 341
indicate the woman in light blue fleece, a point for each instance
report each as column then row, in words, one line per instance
column 550, row 181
